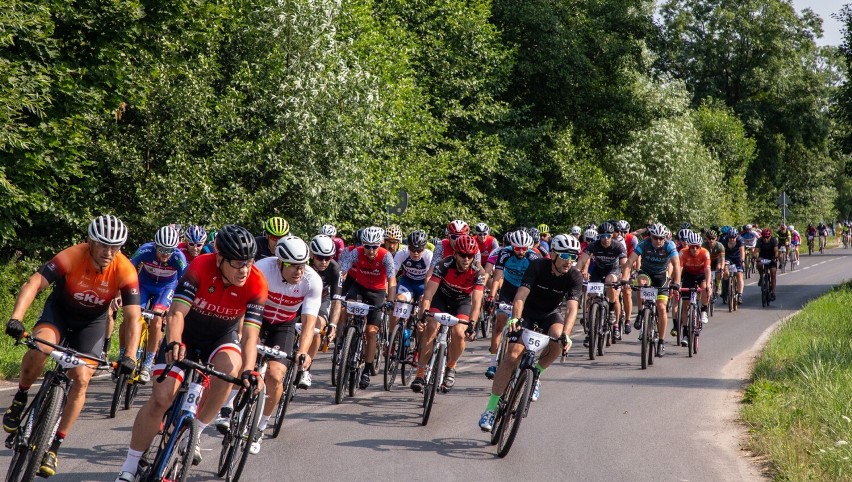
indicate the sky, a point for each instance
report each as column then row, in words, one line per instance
column 824, row 8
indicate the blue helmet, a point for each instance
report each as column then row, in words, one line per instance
column 196, row 234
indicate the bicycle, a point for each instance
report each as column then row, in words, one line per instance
column 810, row 245
column 766, row 283
column 793, row 256
column 171, row 457
column 351, row 360
column 749, row 263
column 486, row 315
column 693, row 320
column 127, row 385
column 438, row 362
column 729, row 296
column 402, row 354
column 822, row 240
column 713, row 292
column 600, row 329
column 782, row 257
column 288, row 383
column 649, row 336
column 41, row 417
column 515, row 401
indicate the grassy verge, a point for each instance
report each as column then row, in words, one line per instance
column 798, row 407
column 13, row 274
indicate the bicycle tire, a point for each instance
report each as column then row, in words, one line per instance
column 395, row 349
column 335, row 360
column 432, row 384
column 179, row 461
column 26, row 462
column 249, row 422
column 594, row 330
column 357, row 353
column 408, row 355
column 229, row 440
column 288, row 392
column 603, row 333
column 130, row 394
column 691, row 324
column 646, row 336
column 732, row 297
column 343, row 369
column 517, row 409
column 484, row 325
column 118, row 393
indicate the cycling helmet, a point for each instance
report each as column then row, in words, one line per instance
column 712, row 234
column 235, row 243
column 592, row 226
column 291, row 249
column 544, row 229
column 659, row 230
column 417, row 239
column 733, row 234
column 393, row 233
column 683, row 234
column 565, row 243
column 576, row 231
column 536, row 235
column 372, row 235
column 748, row 227
column 685, row 226
column 520, row 238
column 622, row 226
column 482, row 228
column 276, row 226
column 108, row 230
column 791, row 228
column 167, row 237
column 321, row 245
column 358, row 235
column 458, row 227
column 606, row 228
column 694, row 239
column 590, row 235
column 328, row 230
column 466, row 245
column 725, row 230
column 196, row 234
column 783, row 227
column 766, row 233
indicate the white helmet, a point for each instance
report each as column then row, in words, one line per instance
column 322, row 245
column 291, row 249
column 659, row 230
column 694, row 239
column 591, row 234
column 167, row 237
column 108, row 230
column 748, row 227
column 482, row 228
column 565, row 243
column 790, row 227
column 328, row 230
column 576, row 231
column 372, row 235
column 520, row 238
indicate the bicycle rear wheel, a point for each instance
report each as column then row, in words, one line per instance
column 646, row 337
column 335, row 360
column 692, row 327
column 732, row 297
column 516, row 411
column 343, row 368
column 392, row 358
column 120, row 391
column 179, row 460
column 432, row 384
column 287, row 394
column 604, row 333
column 594, row 330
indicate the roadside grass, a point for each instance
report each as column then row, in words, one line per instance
column 13, row 273
column 799, row 405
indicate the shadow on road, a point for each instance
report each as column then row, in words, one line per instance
column 458, row 448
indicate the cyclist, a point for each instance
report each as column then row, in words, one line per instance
column 717, row 255
column 322, row 251
column 539, row 303
column 795, row 241
column 86, row 276
column 393, row 236
column 512, row 262
column 536, row 237
column 630, row 242
column 195, row 237
column 339, row 245
column 750, row 235
column 413, row 262
column 811, row 233
column 784, row 238
column 373, row 279
column 446, row 248
column 589, row 236
column 484, row 241
column 274, row 228
column 767, row 247
column 610, row 258
column 160, row 267
column 217, row 295
column 822, row 230
column 455, row 287
column 734, row 256
column 294, row 288
column 576, row 231
column 682, row 236
column 210, row 247
column 657, row 253
column 544, row 236
column 695, row 261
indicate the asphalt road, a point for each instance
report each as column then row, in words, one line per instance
column 596, row 421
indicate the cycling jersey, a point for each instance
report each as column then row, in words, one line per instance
column 732, row 253
column 694, row 264
column 411, row 269
column 513, row 268
column 263, row 250
column 716, row 250
column 444, row 249
column 655, row 260
column 492, row 256
column 783, row 238
column 547, row 290
column 285, row 300
column 372, row 275
column 544, row 247
column 486, row 244
column 766, row 249
column 331, row 285
column 339, row 247
column 154, row 273
column 607, row 258
column 85, row 290
column 457, row 285
column 749, row 238
column 630, row 242
column 214, row 308
column 183, row 249
column 795, row 238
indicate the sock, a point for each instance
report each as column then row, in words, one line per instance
column 121, row 351
column 57, row 441
column 492, row 402
column 540, row 369
column 22, row 391
column 230, row 401
column 149, row 359
column 368, row 368
column 494, row 360
column 131, row 463
column 107, row 344
column 263, row 422
column 201, row 427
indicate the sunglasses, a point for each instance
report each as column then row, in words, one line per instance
column 658, row 238
column 694, row 246
column 566, row 256
column 520, row 249
column 371, row 246
column 165, row 250
column 195, row 245
column 272, row 238
column 322, row 258
column 455, row 236
column 415, row 250
column 237, row 264
column 604, row 236
column 466, row 256
column 292, row 265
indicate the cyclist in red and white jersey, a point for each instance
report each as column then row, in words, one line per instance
column 196, row 238
column 447, row 246
column 339, row 245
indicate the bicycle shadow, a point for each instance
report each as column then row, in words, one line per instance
column 370, row 419
column 457, row 448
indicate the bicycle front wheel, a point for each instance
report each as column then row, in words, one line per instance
column 646, row 337
column 34, row 436
column 431, row 387
column 343, row 367
column 287, row 393
column 692, row 324
column 118, row 393
column 392, row 360
column 516, row 410
column 594, row 330
column 247, row 432
column 179, row 460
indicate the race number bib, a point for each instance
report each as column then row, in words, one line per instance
column 535, row 342
column 193, row 397
column 402, row 310
column 67, row 360
column 446, row 319
column 595, row 288
column 649, row 294
column 357, row 309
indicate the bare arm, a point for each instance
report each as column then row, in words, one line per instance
column 31, row 288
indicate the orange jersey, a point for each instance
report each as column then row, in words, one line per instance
column 695, row 264
column 82, row 288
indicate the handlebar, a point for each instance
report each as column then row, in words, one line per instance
column 188, row 364
column 32, row 343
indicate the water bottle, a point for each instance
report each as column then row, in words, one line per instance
column 408, row 339
column 139, row 353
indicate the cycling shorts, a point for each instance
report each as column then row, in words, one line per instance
column 281, row 336
column 459, row 308
column 735, row 266
column 770, row 265
column 691, row 280
column 204, row 351
column 659, row 281
column 416, row 288
column 538, row 321
column 159, row 295
column 85, row 335
column 507, row 293
column 324, row 310
column 599, row 275
column 370, row 297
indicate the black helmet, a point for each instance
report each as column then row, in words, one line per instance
column 235, row 242
column 606, row 228
column 417, row 239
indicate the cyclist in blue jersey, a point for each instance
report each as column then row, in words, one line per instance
column 413, row 261
column 160, row 266
column 749, row 236
column 657, row 253
column 544, row 238
column 512, row 263
column 735, row 256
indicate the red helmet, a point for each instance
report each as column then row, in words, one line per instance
column 766, row 233
column 466, row 245
column 458, row 227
